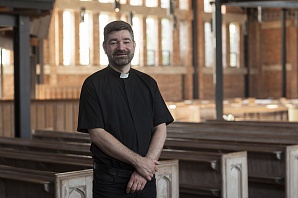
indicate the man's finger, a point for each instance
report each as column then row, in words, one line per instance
column 134, row 187
column 156, row 162
column 129, row 185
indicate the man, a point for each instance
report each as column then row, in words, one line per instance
column 126, row 117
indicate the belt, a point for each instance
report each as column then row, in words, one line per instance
column 111, row 171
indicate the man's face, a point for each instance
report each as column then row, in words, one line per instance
column 119, row 48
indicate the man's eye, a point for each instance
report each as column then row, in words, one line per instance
column 113, row 43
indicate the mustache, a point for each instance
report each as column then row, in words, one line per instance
column 120, row 52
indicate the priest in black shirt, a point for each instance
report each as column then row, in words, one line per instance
column 126, row 117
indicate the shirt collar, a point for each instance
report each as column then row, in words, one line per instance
column 118, row 74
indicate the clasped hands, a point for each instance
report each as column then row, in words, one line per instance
column 145, row 168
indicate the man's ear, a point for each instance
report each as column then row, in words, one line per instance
column 104, row 47
column 134, row 44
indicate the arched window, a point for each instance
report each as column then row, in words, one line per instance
column 183, row 4
column 136, row 2
column 136, row 29
column 208, row 44
column 234, row 44
column 210, row 48
column 207, row 6
column 152, row 39
column 5, row 57
column 104, row 19
column 106, row 1
column 166, row 41
column 85, row 41
column 68, row 38
column 165, row 3
column 151, row 3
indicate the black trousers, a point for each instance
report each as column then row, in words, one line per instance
column 110, row 186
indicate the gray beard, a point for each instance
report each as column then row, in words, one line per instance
column 119, row 62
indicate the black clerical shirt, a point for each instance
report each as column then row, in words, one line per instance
column 128, row 106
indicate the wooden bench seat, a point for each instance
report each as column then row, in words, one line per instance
column 195, row 144
column 233, row 136
column 38, row 176
column 265, row 165
column 46, row 145
column 56, row 162
column 250, row 142
column 267, row 180
column 206, row 159
column 67, row 162
column 276, row 151
column 32, row 183
column 264, row 124
column 61, row 136
column 226, row 127
column 280, row 134
column 207, row 173
column 271, row 169
column 195, row 191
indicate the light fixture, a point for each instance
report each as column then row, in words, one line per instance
column 260, row 14
column 82, row 14
column 171, row 12
column 130, row 17
column 117, row 6
column 296, row 17
column 171, row 9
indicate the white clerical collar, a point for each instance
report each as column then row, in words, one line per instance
column 124, row 75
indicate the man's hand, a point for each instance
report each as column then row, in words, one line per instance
column 146, row 167
column 136, row 183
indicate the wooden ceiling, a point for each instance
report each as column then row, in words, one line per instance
column 39, row 12
column 262, row 3
column 33, row 8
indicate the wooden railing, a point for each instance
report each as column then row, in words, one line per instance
column 58, row 115
column 61, row 114
column 57, row 92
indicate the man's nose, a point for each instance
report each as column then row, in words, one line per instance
column 120, row 46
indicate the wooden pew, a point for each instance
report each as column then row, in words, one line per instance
column 210, row 174
column 72, row 175
column 233, row 135
column 61, row 136
column 280, row 164
column 262, row 162
column 253, row 137
column 66, row 136
column 239, row 128
column 265, row 124
column 55, row 162
column 76, row 148
column 32, row 183
column 274, row 151
column 54, row 156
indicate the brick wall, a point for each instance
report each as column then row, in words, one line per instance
column 170, row 86
column 264, row 61
column 231, row 89
column 265, row 57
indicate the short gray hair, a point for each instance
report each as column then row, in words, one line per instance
column 117, row 26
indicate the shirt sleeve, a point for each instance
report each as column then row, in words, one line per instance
column 161, row 111
column 90, row 111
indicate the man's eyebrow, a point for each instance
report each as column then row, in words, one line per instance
column 124, row 39
column 127, row 38
column 113, row 39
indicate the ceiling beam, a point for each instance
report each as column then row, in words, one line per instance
column 262, row 3
column 30, row 4
column 7, row 20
